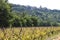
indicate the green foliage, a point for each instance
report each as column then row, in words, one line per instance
column 4, row 13
column 37, row 16
column 28, row 16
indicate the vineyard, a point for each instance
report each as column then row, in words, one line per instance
column 28, row 33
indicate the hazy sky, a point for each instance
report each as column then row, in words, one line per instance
column 51, row 4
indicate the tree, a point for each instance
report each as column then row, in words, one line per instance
column 34, row 20
column 16, row 22
column 4, row 13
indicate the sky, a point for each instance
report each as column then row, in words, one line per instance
column 51, row 4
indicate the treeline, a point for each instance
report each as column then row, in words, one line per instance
column 9, row 18
column 47, row 16
column 25, row 20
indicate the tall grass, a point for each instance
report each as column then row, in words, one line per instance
column 28, row 33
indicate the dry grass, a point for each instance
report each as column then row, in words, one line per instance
column 28, row 33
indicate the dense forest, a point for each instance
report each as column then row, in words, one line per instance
column 13, row 15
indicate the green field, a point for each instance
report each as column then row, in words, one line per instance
column 28, row 33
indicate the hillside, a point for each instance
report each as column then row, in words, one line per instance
column 12, row 15
column 44, row 14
